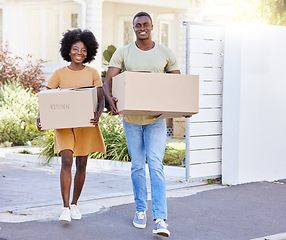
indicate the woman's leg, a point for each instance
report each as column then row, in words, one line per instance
column 65, row 176
column 79, row 177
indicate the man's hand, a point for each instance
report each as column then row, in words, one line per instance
column 95, row 120
column 107, row 86
column 113, row 106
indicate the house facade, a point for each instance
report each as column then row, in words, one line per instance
column 35, row 27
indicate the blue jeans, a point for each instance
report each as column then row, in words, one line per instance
column 148, row 141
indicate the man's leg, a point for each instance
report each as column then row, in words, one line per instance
column 136, row 149
column 155, row 141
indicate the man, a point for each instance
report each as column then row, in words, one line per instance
column 145, row 135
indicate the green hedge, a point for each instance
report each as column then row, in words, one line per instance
column 115, row 142
column 114, row 138
column 18, row 113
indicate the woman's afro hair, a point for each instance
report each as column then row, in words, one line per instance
column 73, row 36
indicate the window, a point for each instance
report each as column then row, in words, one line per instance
column 44, row 25
column 128, row 34
column 74, row 20
column 125, row 33
column 70, row 16
column 164, row 34
column 166, row 27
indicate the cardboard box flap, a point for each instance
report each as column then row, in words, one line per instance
column 83, row 88
column 66, row 89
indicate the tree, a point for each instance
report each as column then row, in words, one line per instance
column 261, row 11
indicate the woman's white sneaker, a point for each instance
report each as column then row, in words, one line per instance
column 66, row 215
column 75, row 213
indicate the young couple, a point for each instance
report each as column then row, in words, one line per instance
column 145, row 135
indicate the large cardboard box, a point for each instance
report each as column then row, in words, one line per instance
column 167, row 95
column 67, row 108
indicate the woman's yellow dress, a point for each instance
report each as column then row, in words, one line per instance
column 81, row 141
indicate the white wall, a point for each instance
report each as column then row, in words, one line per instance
column 254, row 104
column 94, row 23
column 13, row 28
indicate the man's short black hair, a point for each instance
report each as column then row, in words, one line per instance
column 73, row 36
column 141, row 14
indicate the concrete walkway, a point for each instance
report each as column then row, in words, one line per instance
column 30, row 203
column 31, row 191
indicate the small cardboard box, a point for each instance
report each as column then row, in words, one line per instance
column 67, row 108
column 167, row 95
column 179, row 126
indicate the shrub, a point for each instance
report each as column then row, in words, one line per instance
column 175, row 154
column 13, row 68
column 115, row 142
column 114, row 138
column 24, row 151
column 18, row 112
column 113, row 135
column 107, row 55
column 10, row 128
column 46, row 143
column 32, row 75
column 5, row 144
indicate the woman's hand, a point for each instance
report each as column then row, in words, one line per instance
column 39, row 126
column 95, row 120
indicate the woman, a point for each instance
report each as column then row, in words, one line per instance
column 77, row 47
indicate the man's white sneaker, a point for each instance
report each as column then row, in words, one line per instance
column 75, row 213
column 160, row 228
column 140, row 219
column 66, row 215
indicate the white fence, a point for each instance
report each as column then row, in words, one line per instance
column 205, row 53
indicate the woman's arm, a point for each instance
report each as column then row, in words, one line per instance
column 100, row 107
column 38, row 123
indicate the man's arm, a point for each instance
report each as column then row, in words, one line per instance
column 107, row 88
